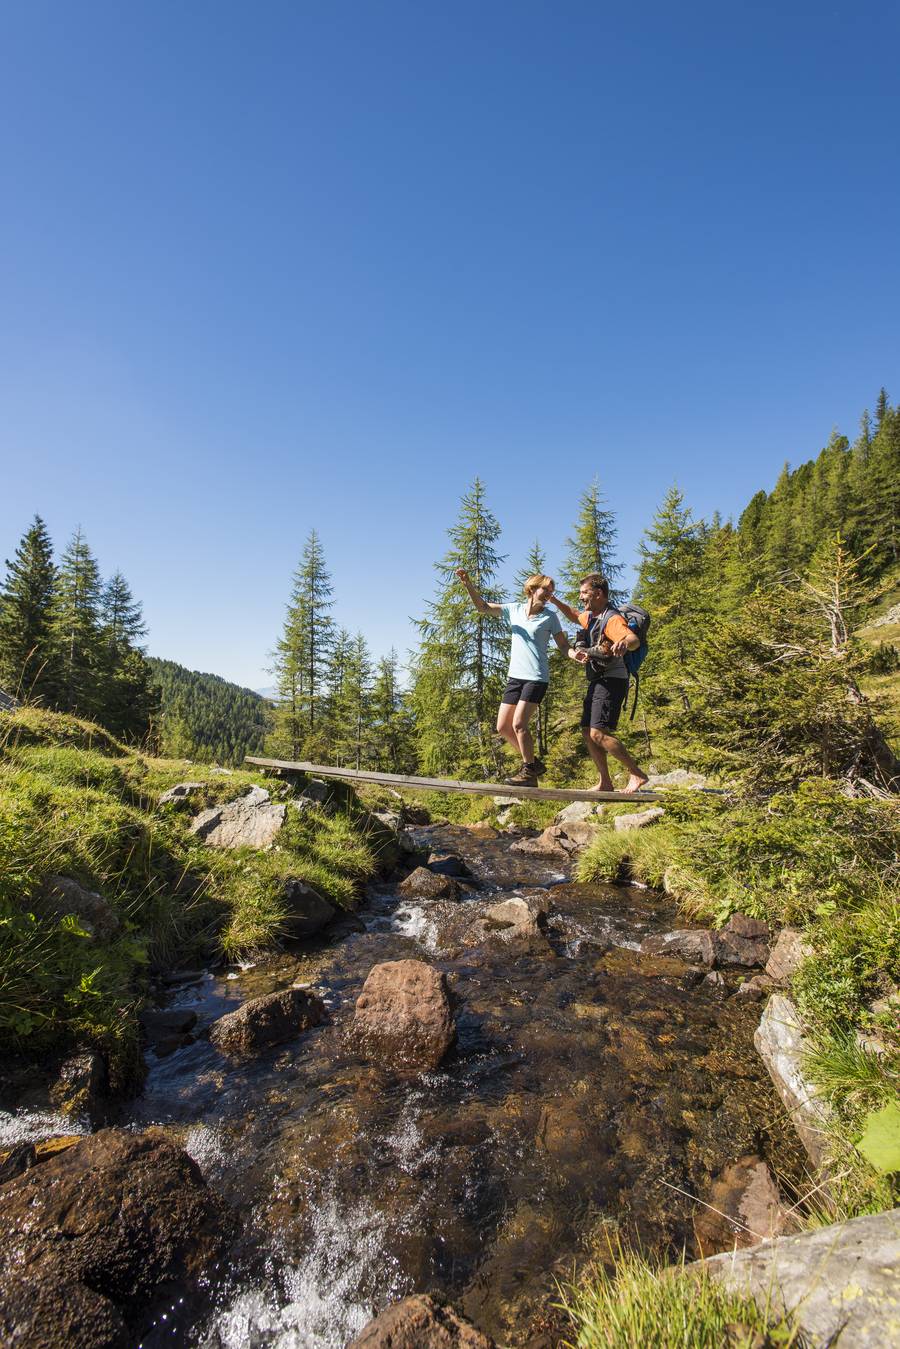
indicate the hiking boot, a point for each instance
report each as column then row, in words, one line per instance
column 540, row 767
column 526, row 777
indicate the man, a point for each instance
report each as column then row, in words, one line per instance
column 605, row 636
column 533, row 624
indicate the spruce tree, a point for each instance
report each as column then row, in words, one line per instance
column 129, row 702
column 391, row 721
column 76, row 626
column 458, row 670
column 670, row 586
column 592, row 544
column 28, row 665
column 302, row 652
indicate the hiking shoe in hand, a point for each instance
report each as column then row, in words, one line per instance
column 526, row 777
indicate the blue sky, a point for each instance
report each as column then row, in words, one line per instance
column 278, row 266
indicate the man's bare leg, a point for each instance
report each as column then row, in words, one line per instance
column 598, row 754
column 636, row 775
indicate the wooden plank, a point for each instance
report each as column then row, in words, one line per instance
column 396, row 780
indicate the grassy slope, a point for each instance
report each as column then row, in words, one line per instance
column 73, row 801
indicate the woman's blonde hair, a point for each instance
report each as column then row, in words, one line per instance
column 533, row 582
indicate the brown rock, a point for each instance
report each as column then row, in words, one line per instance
column 447, row 864
column 268, row 1020
column 420, row 1322
column 730, row 949
column 81, row 1087
column 749, row 1209
column 88, row 1237
column 752, row 928
column 425, row 884
column 403, row 1018
column 756, row 988
column 519, row 917
column 788, row 954
column 307, row 912
column 694, row 945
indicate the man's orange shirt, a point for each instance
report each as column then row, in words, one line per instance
column 616, row 627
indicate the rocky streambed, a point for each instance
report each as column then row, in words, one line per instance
column 591, row 1088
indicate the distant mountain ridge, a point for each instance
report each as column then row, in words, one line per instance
column 205, row 717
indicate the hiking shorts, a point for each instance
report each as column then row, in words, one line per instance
column 524, row 691
column 603, row 703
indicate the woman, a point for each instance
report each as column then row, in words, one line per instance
column 533, row 624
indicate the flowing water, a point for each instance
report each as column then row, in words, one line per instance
column 586, row 1080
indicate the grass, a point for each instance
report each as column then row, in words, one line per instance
column 73, row 801
column 640, row 1303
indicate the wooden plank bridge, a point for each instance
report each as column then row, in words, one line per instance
column 398, row 782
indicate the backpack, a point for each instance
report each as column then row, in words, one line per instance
column 639, row 621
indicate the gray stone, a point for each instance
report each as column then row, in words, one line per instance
column 447, row 864
column 403, row 1018
column 180, row 792
column 788, row 954
column 840, row 1282
column 639, row 820
column 61, row 895
column 506, row 801
column 519, row 916
column 731, row 949
column 251, row 821
column 756, row 988
column 390, row 819
column 781, row 1044
column 694, row 945
column 217, row 771
column 714, row 980
column 576, row 812
column 678, row 777
column 420, row 1322
column 306, row 911
column 889, row 619
column 268, row 1020
column 869, row 1042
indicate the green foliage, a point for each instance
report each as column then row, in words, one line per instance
column 640, row 1302
column 204, row 717
column 880, row 1141
column 28, row 656
column 301, row 657
column 592, row 544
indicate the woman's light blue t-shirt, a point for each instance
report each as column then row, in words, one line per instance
column 530, row 638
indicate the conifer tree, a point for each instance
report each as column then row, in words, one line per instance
column 391, row 721
column 128, row 700
column 592, row 544
column 28, row 665
column 670, row 586
column 302, row 652
column 76, row 625
column 458, row 670
column 882, row 406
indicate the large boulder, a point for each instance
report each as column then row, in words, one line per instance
column 742, row 1208
column 839, row 1282
column 639, row 820
column 269, row 1020
column 518, row 917
column 447, row 864
column 167, row 1029
column 788, row 954
column 61, row 895
column 89, row 1238
column 306, row 911
column 403, row 1018
column 732, row 949
column 420, row 1322
column 782, row 1046
column 426, row 884
column 754, row 929
column 251, row 821
column 559, row 840
column 695, row 945
column 576, row 812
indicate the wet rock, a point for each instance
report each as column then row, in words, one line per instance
column 715, row 981
column 18, row 1159
column 840, row 1282
column 639, row 820
column 558, row 840
column 519, row 916
column 788, row 954
column 180, row 793
column 694, row 945
column 730, row 949
column 306, row 911
column 80, row 1088
column 425, row 884
column 781, row 1044
column 87, row 1239
column 420, row 1322
column 546, row 844
column 251, row 821
column 167, row 1030
column 576, row 812
column 744, row 1207
column 269, row 1020
column 403, row 1018
column 447, row 864
column 61, row 895
column 481, row 829
column 754, row 929
column 758, row 987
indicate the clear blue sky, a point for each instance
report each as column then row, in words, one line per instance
column 271, row 266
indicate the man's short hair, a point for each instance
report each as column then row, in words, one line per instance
column 596, row 582
column 534, row 582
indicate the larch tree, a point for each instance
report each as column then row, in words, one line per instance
column 28, row 664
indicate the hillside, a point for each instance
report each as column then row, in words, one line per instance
column 204, row 717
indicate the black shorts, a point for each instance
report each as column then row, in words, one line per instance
column 603, row 703
column 524, row 691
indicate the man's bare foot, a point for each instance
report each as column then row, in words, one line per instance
column 636, row 782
